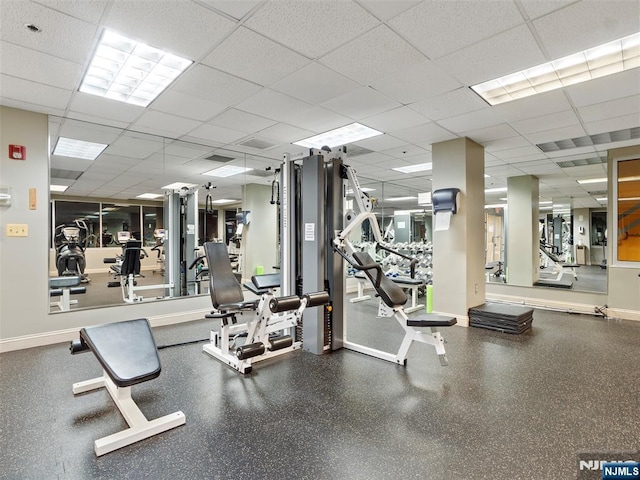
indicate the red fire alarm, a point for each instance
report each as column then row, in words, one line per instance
column 17, row 152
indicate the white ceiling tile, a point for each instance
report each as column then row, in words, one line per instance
column 605, row 89
column 23, row 90
column 371, row 158
column 397, row 119
column 316, row 119
column 505, row 53
column 534, row 106
column 614, row 108
column 406, row 155
column 491, row 163
column 176, row 27
column 312, row 28
column 450, row 104
column 137, row 145
column 427, row 133
column 104, row 107
column 251, row 56
column 557, row 134
column 217, row 134
column 546, row 122
column 438, row 28
column 271, row 104
column 68, row 163
column 490, row 134
column 39, row 67
column 625, row 143
column 88, row 10
column 518, row 152
column 537, row 8
column 613, row 124
column 159, row 123
column 560, row 154
column 185, row 149
column 183, row 105
column 284, row 133
column 381, row 142
column 215, row 86
column 506, row 144
column 30, row 107
column 88, row 132
column 361, row 103
column 473, row 120
column 233, row 7
column 586, row 24
column 315, row 84
column 418, row 82
column 60, row 35
column 96, row 119
column 366, row 65
column 241, row 121
column 386, row 9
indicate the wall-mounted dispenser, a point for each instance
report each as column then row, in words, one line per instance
column 446, row 202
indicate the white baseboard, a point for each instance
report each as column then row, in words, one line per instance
column 623, row 314
column 543, row 303
column 61, row 336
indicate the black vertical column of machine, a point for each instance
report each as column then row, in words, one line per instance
column 183, row 240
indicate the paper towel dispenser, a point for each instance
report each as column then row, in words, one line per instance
column 446, row 200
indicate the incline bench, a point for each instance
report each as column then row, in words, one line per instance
column 128, row 355
column 413, row 284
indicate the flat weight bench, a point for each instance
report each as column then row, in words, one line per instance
column 128, row 355
column 65, row 287
column 261, row 284
column 412, row 284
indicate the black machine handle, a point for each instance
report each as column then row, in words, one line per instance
column 196, row 261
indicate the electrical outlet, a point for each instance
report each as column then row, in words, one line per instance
column 17, row 230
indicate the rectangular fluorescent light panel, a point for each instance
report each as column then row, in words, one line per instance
column 58, row 188
column 227, row 171
column 495, row 190
column 128, row 71
column 400, row 199
column 602, row 199
column 592, row 180
column 339, row 136
column 149, row 196
column 178, row 186
column 496, row 205
column 221, row 201
column 362, row 189
column 69, row 147
column 613, row 57
column 421, row 167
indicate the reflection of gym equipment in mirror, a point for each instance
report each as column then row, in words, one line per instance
column 71, row 241
column 494, row 245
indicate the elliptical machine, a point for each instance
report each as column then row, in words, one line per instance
column 71, row 241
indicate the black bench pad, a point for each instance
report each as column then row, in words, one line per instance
column 61, row 282
column 126, row 350
column 431, row 320
column 57, row 292
column 399, row 280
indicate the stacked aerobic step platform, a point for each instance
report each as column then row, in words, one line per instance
column 500, row 317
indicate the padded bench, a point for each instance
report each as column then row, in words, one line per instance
column 261, row 284
column 65, row 287
column 413, row 284
column 128, row 355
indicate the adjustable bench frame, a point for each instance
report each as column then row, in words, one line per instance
column 414, row 287
column 139, row 427
column 65, row 287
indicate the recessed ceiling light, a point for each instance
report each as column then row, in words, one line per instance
column 149, row 196
column 227, row 171
column 400, row 199
column 58, row 188
column 224, row 200
column 602, row 199
column 339, row 136
column 127, row 71
column 496, row 205
column 613, row 57
column 69, row 147
column 545, row 202
column 495, row 190
column 546, row 208
column 178, row 186
column 421, row 167
column 592, row 180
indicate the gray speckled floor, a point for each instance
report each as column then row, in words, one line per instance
column 506, row 407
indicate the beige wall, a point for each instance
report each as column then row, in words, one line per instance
column 523, row 261
column 260, row 236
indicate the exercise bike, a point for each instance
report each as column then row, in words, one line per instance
column 71, row 241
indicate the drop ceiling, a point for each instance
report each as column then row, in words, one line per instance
column 268, row 73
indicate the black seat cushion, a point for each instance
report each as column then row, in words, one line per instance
column 126, row 350
column 223, row 284
column 391, row 294
column 131, row 259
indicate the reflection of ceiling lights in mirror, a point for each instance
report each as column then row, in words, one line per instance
column 69, row 147
column 339, row 136
column 58, row 188
column 227, row 171
column 613, row 57
column 421, row 167
column 224, row 200
column 362, row 189
column 149, row 196
column 602, row 199
column 495, row 190
column 400, row 199
column 633, row 178
column 545, row 202
column 178, row 186
column 127, row 71
column 629, row 199
column 592, row 180
column 496, row 205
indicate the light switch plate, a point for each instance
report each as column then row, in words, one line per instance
column 17, row 230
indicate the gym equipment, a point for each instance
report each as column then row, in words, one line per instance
column 412, row 284
column 503, row 318
column 261, row 284
column 392, row 297
column 71, row 241
column 128, row 355
column 64, row 287
column 159, row 234
column 271, row 328
column 559, row 267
